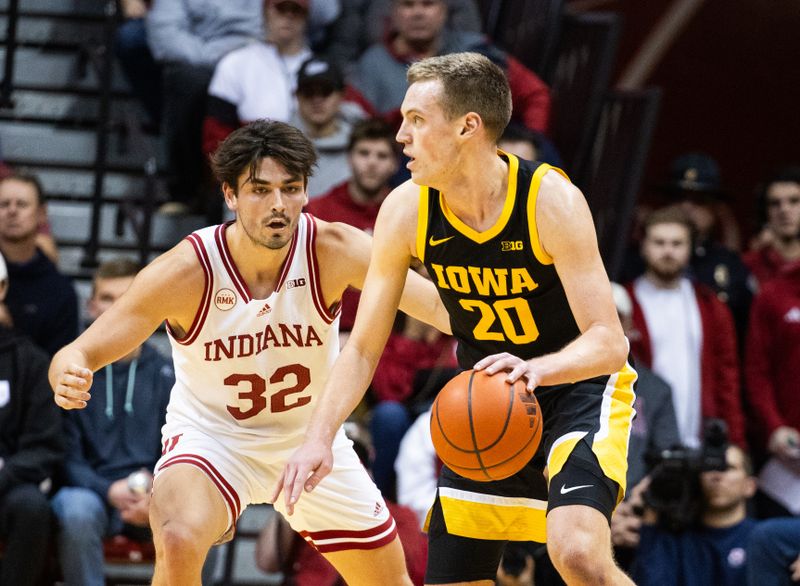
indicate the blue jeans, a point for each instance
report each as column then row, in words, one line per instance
column 84, row 520
column 774, row 545
column 389, row 423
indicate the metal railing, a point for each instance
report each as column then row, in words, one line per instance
column 7, row 85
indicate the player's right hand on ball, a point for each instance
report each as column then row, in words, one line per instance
column 309, row 464
column 71, row 387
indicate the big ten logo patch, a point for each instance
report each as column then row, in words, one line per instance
column 507, row 245
column 224, row 299
column 296, row 283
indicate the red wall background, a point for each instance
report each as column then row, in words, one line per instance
column 731, row 88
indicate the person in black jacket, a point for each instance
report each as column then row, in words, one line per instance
column 112, row 445
column 30, row 447
column 41, row 300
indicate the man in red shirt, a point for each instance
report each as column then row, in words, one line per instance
column 372, row 156
column 772, row 366
column 778, row 245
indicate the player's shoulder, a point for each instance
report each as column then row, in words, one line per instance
column 557, row 195
column 337, row 239
column 179, row 265
column 402, row 200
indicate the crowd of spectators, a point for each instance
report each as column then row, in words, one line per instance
column 715, row 334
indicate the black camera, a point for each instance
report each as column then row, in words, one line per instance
column 675, row 492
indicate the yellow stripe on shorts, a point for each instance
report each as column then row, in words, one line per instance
column 486, row 516
column 610, row 443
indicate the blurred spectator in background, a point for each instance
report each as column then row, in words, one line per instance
column 418, row 31
column 140, row 68
column 364, row 22
column 413, row 348
column 371, row 161
column 462, row 15
column 280, row 549
column 528, row 144
column 417, row 468
column 259, row 80
column 41, row 300
column 714, row 551
column 654, row 429
column 684, row 332
column 31, row 445
column 695, row 184
column 778, row 244
column 187, row 38
column 773, row 553
column 112, row 446
column 772, row 369
column 327, row 119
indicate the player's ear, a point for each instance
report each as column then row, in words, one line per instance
column 229, row 193
column 471, row 124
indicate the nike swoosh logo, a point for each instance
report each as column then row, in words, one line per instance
column 565, row 490
column 434, row 242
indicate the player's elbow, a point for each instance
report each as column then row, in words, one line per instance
column 616, row 351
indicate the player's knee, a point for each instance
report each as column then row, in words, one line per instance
column 576, row 555
column 173, row 537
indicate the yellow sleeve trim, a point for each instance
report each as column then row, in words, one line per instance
column 422, row 222
column 533, row 193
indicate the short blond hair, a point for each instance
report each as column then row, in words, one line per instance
column 470, row 83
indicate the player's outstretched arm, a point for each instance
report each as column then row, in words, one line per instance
column 567, row 235
column 353, row 370
column 347, row 257
column 169, row 288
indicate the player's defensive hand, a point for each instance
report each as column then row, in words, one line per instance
column 309, row 464
column 71, row 386
column 517, row 367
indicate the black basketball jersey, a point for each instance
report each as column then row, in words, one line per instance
column 499, row 286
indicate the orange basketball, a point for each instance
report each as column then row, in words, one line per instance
column 484, row 428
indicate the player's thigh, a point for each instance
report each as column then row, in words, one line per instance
column 185, row 496
column 385, row 565
column 581, row 529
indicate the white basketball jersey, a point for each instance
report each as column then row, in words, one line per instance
column 250, row 370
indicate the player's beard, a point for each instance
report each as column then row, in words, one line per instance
column 272, row 243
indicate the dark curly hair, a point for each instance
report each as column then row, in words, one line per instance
column 245, row 147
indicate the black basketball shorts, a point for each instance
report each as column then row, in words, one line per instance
column 584, row 453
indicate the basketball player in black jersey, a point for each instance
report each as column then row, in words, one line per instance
column 511, row 247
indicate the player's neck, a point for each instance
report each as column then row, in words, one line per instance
column 259, row 266
column 477, row 192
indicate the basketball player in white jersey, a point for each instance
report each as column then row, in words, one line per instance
column 251, row 309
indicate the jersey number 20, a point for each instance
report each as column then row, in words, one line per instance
column 278, row 402
column 501, row 311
